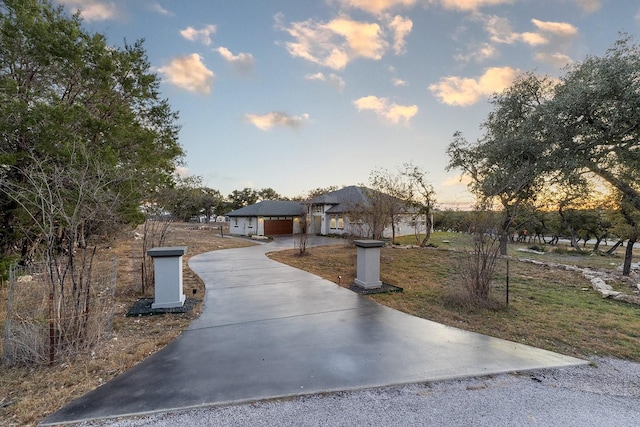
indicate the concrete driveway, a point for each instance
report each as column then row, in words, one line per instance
column 268, row 330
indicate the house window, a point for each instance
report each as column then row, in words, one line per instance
column 235, row 222
column 341, row 223
column 250, row 222
column 318, row 208
column 332, row 224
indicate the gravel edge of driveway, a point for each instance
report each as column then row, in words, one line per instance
column 605, row 393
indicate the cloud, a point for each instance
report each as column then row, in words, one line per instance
column 400, row 27
column 399, row 82
column 467, row 91
column 456, row 180
column 268, row 121
column 93, row 10
column 561, row 29
column 478, row 53
column 551, row 34
column 189, row 73
column 560, row 35
column 532, row 39
column 242, row 61
column 375, row 6
column 156, row 7
column 557, row 59
column 332, row 79
column 500, row 31
column 335, row 43
column 471, row 5
column 589, row 5
column 203, row 35
column 362, row 38
column 391, row 112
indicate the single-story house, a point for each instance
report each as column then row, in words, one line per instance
column 332, row 213
column 267, row 218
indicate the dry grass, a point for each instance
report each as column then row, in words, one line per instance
column 29, row 394
column 549, row 308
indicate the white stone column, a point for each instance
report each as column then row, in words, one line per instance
column 368, row 273
column 167, row 268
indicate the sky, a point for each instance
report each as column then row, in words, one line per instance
column 295, row 95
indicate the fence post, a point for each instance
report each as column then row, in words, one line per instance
column 52, row 333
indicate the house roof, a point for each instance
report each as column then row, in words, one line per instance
column 351, row 193
column 342, row 200
column 270, row 208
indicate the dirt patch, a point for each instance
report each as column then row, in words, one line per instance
column 29, row 394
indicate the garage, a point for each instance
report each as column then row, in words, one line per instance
column 274, row 227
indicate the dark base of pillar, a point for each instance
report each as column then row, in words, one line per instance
column 385, row 288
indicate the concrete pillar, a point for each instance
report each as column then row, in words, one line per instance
column 368, row 273
column 167, row 268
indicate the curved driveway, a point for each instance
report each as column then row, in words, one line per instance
column 268, row 330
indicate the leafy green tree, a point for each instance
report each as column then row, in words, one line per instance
column 84, row 138
column 585, row 126
column 317, row 192
column 592, row 124
column 241, row 198
column 70, row 100
column 269, row 194
column 248, row 196
column 188, row 198
column 503, row 164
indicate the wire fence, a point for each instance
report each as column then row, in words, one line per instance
column 58, row 310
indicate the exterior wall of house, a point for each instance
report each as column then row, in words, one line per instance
column 339, row 224
column 245, row 226
column 317, row 220
column 252, row 225
column 297, row 226
column 404, row 227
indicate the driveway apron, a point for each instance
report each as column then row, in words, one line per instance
column 268, row 331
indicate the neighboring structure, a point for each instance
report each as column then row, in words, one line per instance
column 267, row 218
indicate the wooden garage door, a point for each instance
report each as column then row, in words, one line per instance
column 273, row 227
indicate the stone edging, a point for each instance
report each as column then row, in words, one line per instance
column 596, row 277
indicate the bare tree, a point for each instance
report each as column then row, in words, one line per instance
column 476, row 272
column 390, row 198
column 66, row 206
column 301, row 238
column 368, row 217
column 421, row 197
column 154, row 233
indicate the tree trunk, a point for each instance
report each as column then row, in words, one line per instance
column 427, row 232
column 393, row 231
column 614, row 247
column 504, row 235
column 597, row 245
column 574, row 240
column 503, row 243
column 628, row 255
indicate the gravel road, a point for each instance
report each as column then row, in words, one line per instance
column 607, row 393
